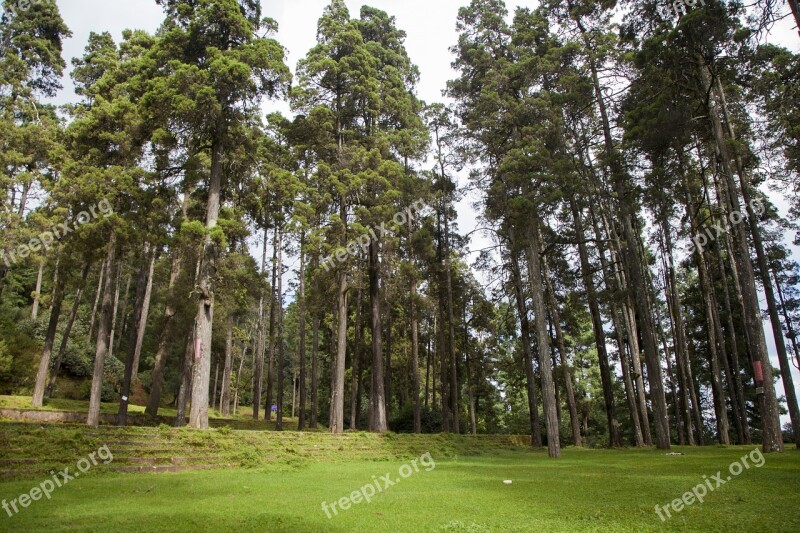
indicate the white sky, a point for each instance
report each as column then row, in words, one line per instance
column 430, row 25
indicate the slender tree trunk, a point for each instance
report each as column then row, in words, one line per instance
column 185, row 387
column 138, row 305
column 771, row 430
column 679, row 332
column 167, row 330
column 62, row 348
column 225, row 395
column 214, row 388
column 273, row 314
column 355, row 366
column 569, row 386
column 597, row 326
column 114, row 313
column 301, row 421
column 414, row 334
column 281, row 352
column 198, row 416
column 49, row 340
column 620, row 283
column 314, row 372
column 37, row 293
column 141, row 326
column 539, row 310
column 377, row 399
column 120, row 318
column 103, row 275
column 530, row 378
column 454, row 389
column 387, row 370
column 337, row 392
column 103, row 337
column 258, row 359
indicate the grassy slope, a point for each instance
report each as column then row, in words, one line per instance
column 587, row 490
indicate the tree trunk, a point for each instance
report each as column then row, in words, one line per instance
column 337, row 392
column 121, row 317
column 214, row 388
column 314, row 372
column 185, row 387
column 258, row 355
column 377, row 399
column 354, row 366
column 597, row 326
column 103, row 336
column 49, row 340
column 141, row 326
column 138, row 305
column 543, row 344
column 37, row 293
column 562, row 351
column 103, row 275
column 273, row 329
column 771, row 430
column 301, row 421
column 167, row 330
column 414, row 333
column 225, row 395
column 679, row 332
column 454, row 389
column 198, row 416
column 281, row 352
column 62, row 348
column 530, row 378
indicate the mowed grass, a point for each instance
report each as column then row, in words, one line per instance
column 586, row 490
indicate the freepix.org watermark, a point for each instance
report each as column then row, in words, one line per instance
column 398, row 220
column 679, row 7
column 699, row 492
column 46, row 487
column 378, row 485
column 56, row 233
column 702, row 239
column 15, row 6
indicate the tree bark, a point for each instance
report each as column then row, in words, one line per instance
column 103, row 336
column 138, row 305
column 539, row 309
column 49, row 339
column 530, row 378
column 198, row 416
column 377, row 397
column 37, row 292
column 167, row 330
column 62, row 348
column 301, row 421
column 225, row 395
column 281, row 359
column 771, row 430
column 141, row 326
column 569, row 386
column 597, row 326
column 258, row 355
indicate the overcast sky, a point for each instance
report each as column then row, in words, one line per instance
column 430, row 25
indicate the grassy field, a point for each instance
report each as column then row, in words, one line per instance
column 587, row 490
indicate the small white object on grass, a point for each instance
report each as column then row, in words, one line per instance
column 507, row 482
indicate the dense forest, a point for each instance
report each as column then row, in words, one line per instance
column 167, row 243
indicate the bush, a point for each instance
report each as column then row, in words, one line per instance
column 430, row 419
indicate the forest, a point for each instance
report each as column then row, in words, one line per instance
column 634, row 165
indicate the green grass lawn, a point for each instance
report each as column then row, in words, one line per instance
column 586, row 490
